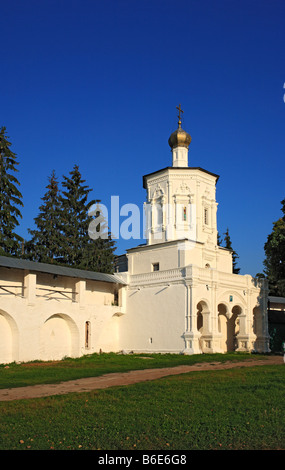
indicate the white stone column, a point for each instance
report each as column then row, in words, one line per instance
column 169, row 213
column 30, row 285
column 152, row 215
column 207, row 335
column 243, row 338
column 198, row 212
column 80, row 287
column 191, row 334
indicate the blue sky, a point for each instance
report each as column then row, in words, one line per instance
column 96, row 83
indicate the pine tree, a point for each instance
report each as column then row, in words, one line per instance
column 79, row 250
column 275, row 256
column 46, row 240
column 100, row 247
column 219, row 240
column 74, row 217
column 228, row 245
column 10, row 199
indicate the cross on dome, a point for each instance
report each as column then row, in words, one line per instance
column 179, row 138
column 179, row 115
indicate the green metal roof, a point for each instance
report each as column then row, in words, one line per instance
column 11, row 262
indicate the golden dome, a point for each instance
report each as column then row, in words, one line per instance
column 179, row 138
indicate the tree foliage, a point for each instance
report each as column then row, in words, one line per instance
column 74, row 217
column 44, row 246
column 275, row 256
column 100, row 249
column 78, row 248
column 219, row 240
column 228, row 245
column 10, row 199
column 62, row 235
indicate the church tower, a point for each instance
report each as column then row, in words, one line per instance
column 182, row 295
column 181, row 199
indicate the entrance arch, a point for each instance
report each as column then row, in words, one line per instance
column 59, row 338
column 202, row 309
column 9, row 338
column 228, row 326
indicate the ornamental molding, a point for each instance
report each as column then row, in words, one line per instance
column 157, row 192
column 156, row 277
column 172, row 177
column 183, row 189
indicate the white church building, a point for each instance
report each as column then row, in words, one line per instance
column 177, row 293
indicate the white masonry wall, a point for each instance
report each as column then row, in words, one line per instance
column 44, row 317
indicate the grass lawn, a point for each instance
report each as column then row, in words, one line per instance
column 223, row 409
column 31, row 373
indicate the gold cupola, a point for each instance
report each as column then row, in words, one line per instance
column 179, row 138
column 179, row 142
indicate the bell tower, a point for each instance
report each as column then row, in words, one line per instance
column 181, row 200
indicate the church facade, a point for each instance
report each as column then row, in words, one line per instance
column 182, row 295
column 177, row 293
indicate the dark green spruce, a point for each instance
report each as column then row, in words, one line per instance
column 78, row 249
column 228, row 245
column 46, row 241
column 10, row 200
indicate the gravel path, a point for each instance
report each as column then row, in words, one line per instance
column 125, row 378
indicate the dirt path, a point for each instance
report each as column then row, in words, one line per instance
column 125, row 378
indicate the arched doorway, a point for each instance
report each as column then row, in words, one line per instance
column 59, row 338
column 9, row 338
column 233, row 328
column 228, row 326
column 202, row 323
column 199, row 318
column 223, row 326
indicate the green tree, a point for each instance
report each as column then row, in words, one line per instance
column 100, row 247
column 10, row 199
column 78, row 249
column 46, row 240
column 228, row 245
column 219, row 240
column 275, row 256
